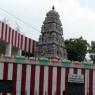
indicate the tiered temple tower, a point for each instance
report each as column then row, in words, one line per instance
column 51, row 42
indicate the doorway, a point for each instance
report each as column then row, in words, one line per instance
column 75, row 89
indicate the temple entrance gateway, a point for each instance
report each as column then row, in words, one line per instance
column 75, row 88
column 51, row 41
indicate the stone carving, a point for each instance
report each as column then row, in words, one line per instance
column 51, row 42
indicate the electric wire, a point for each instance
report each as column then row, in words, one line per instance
column 19, row 20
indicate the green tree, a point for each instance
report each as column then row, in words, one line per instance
column 92, row 51
column 76, row 49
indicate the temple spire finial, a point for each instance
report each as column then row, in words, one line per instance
column 53, row 7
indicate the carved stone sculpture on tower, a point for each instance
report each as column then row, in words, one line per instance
column 51, row 42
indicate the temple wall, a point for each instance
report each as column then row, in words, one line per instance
column 43, row 79
column 10, row 38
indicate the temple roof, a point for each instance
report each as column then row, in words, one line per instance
column 52, row 12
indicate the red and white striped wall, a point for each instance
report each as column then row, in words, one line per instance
column 31, row 79
column 17, row 40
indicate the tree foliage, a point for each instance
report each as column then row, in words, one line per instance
column 76, row 49
column 92, row 51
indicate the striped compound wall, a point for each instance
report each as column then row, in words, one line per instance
column 33, row 79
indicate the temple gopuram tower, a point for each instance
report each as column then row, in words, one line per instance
column 51, row 42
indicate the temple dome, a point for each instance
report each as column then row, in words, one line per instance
column 52, row 17
column 52, row 13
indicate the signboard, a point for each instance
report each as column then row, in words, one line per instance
column 75, row 78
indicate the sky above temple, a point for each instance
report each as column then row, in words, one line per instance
column 77, row 16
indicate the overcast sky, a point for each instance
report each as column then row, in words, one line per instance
column 77, row 16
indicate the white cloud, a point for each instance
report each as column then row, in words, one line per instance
column 77, row 20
